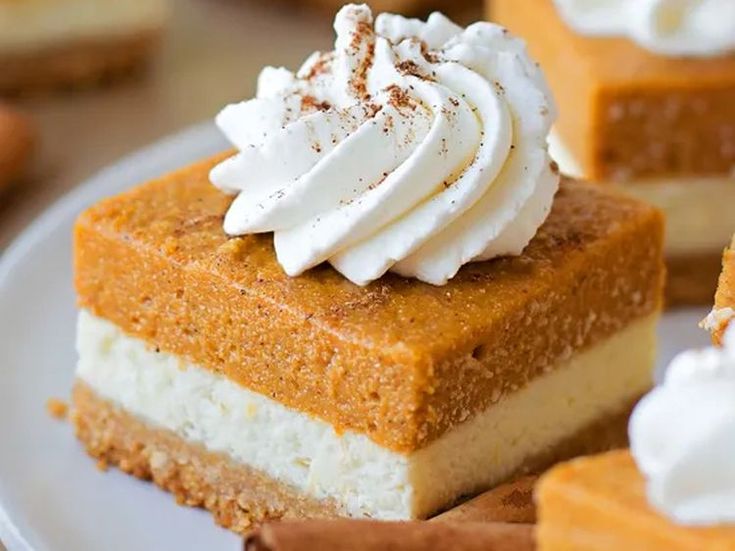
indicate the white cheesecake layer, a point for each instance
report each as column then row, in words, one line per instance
column 699, row 217
column 367, row 479
column 33, row 24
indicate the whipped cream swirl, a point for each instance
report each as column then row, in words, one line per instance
column 667, row 27
column 682, row 437
column 414, row 147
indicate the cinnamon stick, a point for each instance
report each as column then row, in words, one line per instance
column 364, row 535
column 511, row 502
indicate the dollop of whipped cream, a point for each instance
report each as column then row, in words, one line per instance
column 414, row 147
column 668, row 27
column 682, row 437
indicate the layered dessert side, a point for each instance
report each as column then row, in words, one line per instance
column 724, row 309
column 645, row 96
column 46, row 44
column 674, row 489
column 401, row 307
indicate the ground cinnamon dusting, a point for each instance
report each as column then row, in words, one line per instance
column 310, row 104
column 321, row 66
column 398, row 97
column 410, row 68
column 431, row 57
column 358, row 82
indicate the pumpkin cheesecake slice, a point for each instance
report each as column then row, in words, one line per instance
column 401, row 307
column 204, row 367
column 645, row 102
column 674, row 489
column 599, row 502
column 50, row 44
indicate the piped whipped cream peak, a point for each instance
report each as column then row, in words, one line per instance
column 668, row 27
column 682, row 437
column 414, row 147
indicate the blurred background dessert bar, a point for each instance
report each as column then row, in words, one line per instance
column 674, row 489
column 646, row 102
column 47, row 44
column 17, row 145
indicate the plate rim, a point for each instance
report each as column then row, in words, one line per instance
column 84, row 192
column 68, row 204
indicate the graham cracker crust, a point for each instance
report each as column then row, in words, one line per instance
column 240, row 497
column 77, row 64
column 692, row 279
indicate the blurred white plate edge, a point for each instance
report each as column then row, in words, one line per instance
column 55, row 223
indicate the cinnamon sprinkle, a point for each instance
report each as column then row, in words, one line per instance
column 410, row 68
column 398, row 97
column 431, row 57
column 371, row 109
column 358, row 82
column 311, row 104
column 322, row 66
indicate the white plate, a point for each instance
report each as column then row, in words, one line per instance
column 51, row 496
